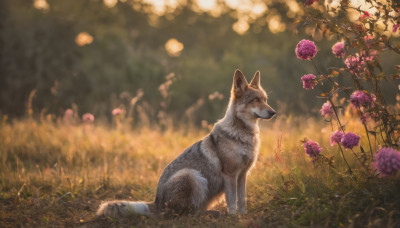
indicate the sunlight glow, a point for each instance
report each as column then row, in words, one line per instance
column 332, row 3
column 258, row 9
column 252, row 8
column 171, row 5
column 206, row 5
column 241, row 26
column 234, row 4
column 354, row 15
column 41, row 5
column 247, row 11
column 83, row 38
column 364, row 5
column 275, row 25
column 110, row 3
column 173, row 47
column 158, row 6
column 293, row 6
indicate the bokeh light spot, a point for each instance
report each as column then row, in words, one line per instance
column 258, row 9
column 110, row 3
column 241, row 26
column 206, row 5
column 275, row 25
column 174, row 47
column 83, row 38
column 41, row 5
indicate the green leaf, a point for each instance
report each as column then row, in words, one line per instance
column 380, row 76
column 334, row 73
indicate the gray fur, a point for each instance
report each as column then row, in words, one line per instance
column 220, row 162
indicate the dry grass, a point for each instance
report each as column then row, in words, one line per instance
column 53, row 174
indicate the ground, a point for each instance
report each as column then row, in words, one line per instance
column 55, row 175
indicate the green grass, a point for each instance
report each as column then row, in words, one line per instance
column 52, row 174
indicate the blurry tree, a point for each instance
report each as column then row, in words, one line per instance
column 40, row 50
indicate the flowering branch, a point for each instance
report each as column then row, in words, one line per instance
column 359, row 49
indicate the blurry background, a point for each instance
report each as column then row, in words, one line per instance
column 171, row 58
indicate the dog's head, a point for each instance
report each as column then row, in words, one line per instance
column 249, row 98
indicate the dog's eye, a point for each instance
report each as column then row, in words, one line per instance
column 256, row 100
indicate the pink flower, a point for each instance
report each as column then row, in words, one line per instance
column 68, row 116
column 368, row 39
column 309, row 81
column 326, row 109
column 350, row 140
column 117, row 111
column 387, row 161
column 338, row 50
column 306, row 50
column 396, row 27
column 361, row 99
column 357, row 63
column 354, row 63
column 368, row 57
column 88, row 118
column 311, row 148
column 336, row 137
column 69, row 112
column 309, row 2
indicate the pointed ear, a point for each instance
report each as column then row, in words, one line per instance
column 255, row 82
column 239, row 83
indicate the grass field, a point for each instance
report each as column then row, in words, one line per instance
column 56, row 175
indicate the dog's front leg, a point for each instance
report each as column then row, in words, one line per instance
column 242, row 192
column 230, row 182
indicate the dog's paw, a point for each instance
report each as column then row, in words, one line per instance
column 242, row 211
column 232, row 212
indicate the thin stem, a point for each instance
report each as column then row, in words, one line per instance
column 344, row 158
column 341, row 127
column 329, row 98
column 381, row 99
column 383, row 139
column 337, row 118
column 315, row 65
column 359, row 160
column 336, row 114
column 366, row 129
column 391, row 48
column 327, row 159
column 369, row 141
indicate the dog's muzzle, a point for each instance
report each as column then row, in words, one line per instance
column 271, row 113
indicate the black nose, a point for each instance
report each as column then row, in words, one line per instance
column 271, row 112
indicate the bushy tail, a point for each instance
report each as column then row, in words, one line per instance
column 117, row 209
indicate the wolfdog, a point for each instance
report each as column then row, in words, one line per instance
column 213, row 166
